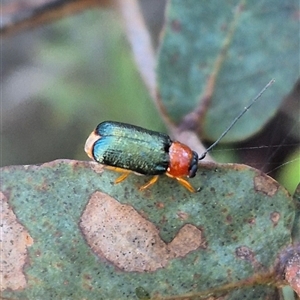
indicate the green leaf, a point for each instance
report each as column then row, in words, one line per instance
column 289, row 173
column 82, row 236
column 243, row 45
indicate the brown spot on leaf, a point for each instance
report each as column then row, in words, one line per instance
column 265, row 184
column 185, row 241
column 159, row 205
column 119, row 234
column 182, row 215
column 176, row 25
column 244, row 253
column 14, row 241
column 251, row 221
column 275, row 217
column 43, row 187
column 229, row 219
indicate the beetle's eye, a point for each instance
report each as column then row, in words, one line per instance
column 193, row 165
column 193, row 171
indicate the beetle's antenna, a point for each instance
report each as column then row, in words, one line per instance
column 236, row 119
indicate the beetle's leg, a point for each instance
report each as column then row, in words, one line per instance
column 116, row 169
column 183, row 182
column 122, row 177
column 120, row 170
column 149, row 183
column 186, row 184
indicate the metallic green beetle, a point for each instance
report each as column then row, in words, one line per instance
column 128, row 148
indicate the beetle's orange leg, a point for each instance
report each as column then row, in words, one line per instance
column 116, row 169
column 183, row 182
column 121, row 178
column 149, row 183
column 120, row 170
column 186, row 184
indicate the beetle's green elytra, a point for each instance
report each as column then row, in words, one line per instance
column 132, row 148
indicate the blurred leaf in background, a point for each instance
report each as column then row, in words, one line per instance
column 80, row 72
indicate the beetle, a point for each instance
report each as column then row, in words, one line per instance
column 127, row 148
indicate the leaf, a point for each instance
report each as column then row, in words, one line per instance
column 289, row 174
column 89, row 238
column 224, row 53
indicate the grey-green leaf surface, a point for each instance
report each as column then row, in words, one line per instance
column 243, row 45
column 80, row 236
